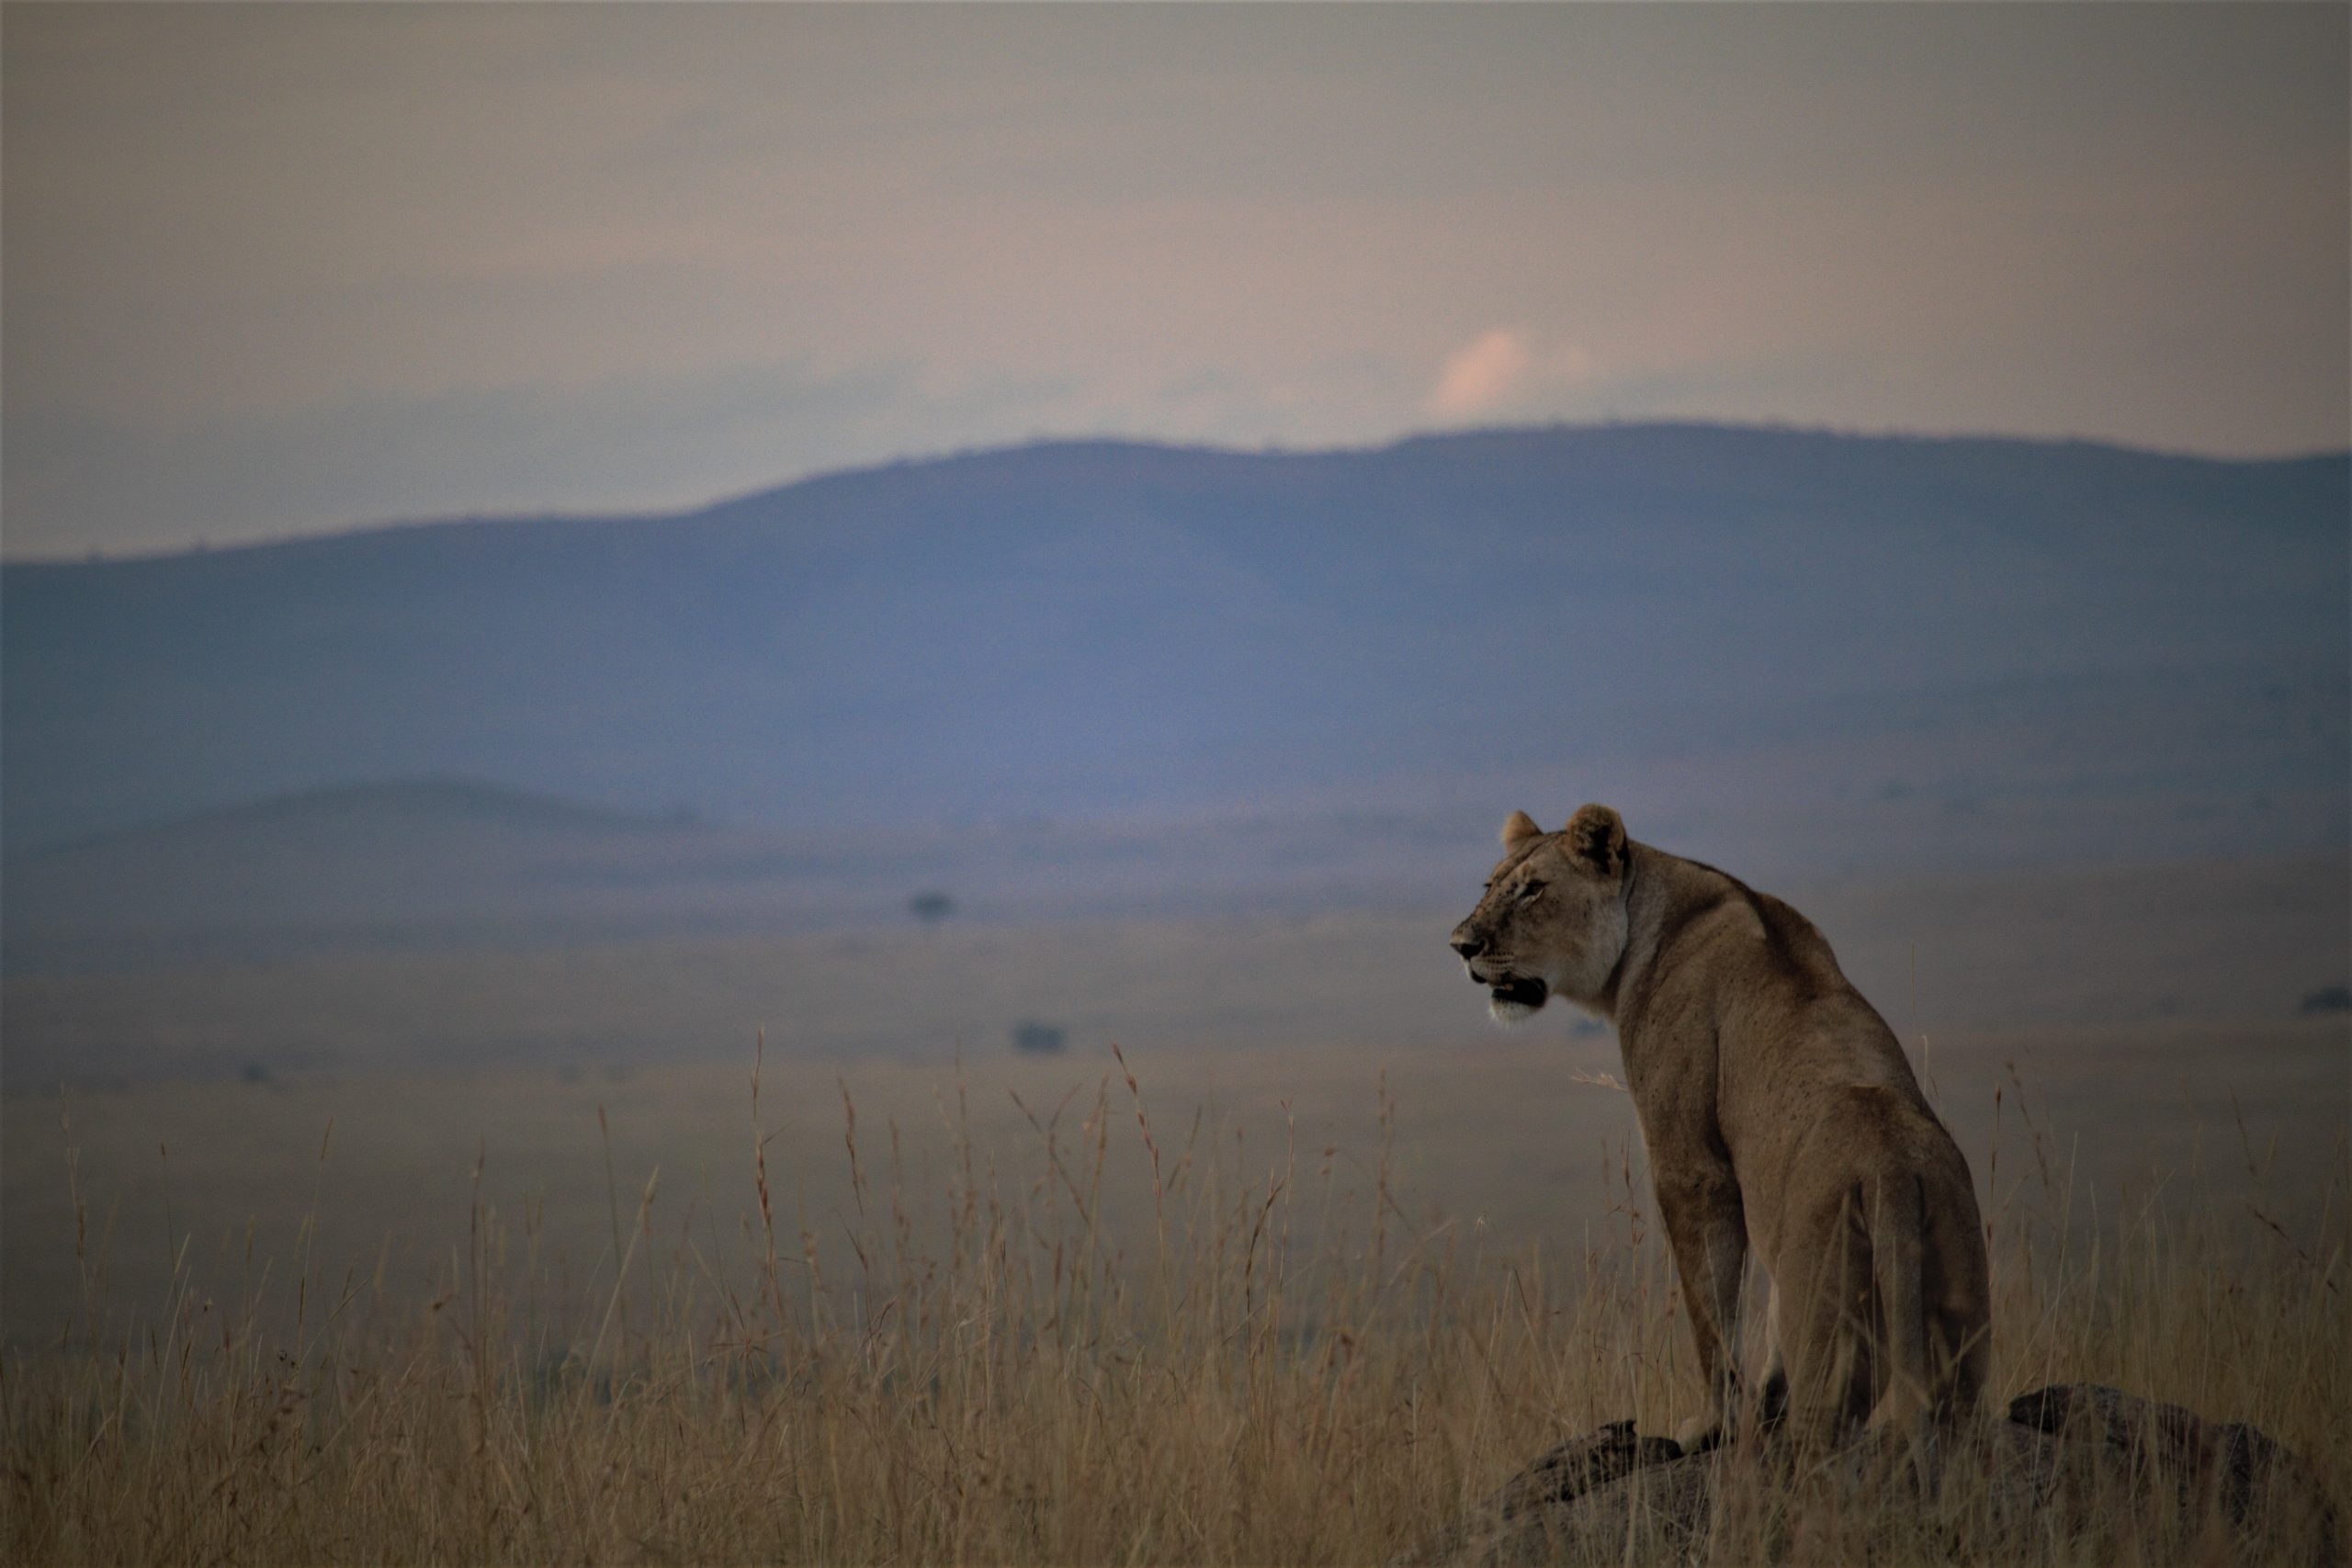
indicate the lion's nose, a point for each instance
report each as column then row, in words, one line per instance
column 1468, row 943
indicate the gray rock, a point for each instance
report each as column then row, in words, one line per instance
column 1571, row 1495
column 2227, row 1484
column 2077, row 1472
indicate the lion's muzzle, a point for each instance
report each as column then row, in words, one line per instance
column 1515, row 991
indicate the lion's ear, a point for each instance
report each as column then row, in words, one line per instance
column 1597, row 837
column 1517, row 827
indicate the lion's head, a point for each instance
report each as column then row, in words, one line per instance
column 1553, row 917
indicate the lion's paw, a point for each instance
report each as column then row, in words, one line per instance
column 1699, row 1434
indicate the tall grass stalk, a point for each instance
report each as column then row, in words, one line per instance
column 1277, row 1368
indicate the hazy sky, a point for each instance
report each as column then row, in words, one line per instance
column 275, row 269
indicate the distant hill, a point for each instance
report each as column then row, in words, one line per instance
column 347, row 814
column 333, row 866
column 435, row 863
column 1335, row 669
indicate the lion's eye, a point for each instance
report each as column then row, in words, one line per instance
column 1528, row 890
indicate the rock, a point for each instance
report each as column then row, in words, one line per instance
column 2209, row 1475
column 1577, row 1485
column 2076, row 1470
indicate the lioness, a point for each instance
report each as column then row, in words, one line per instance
column 1780, row 1113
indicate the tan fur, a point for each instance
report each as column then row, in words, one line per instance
column 1781, row 1114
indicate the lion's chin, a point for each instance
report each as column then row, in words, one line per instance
column 1513, row 999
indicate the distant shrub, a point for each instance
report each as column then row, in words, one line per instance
column 1042, row 1038
column 931, row 908
column 2328, row 998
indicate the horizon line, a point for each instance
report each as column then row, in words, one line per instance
column 1269, row 450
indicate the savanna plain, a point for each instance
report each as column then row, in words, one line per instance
column 777, row 1251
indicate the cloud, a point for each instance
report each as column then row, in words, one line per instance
column 1481, row 375
column 1497, row 369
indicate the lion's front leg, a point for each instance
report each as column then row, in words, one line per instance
column 1772, row 1390
column 1707, row 1227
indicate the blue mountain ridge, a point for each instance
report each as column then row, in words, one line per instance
column 1993, row 648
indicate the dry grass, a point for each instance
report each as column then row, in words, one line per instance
column 1262, row 1360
